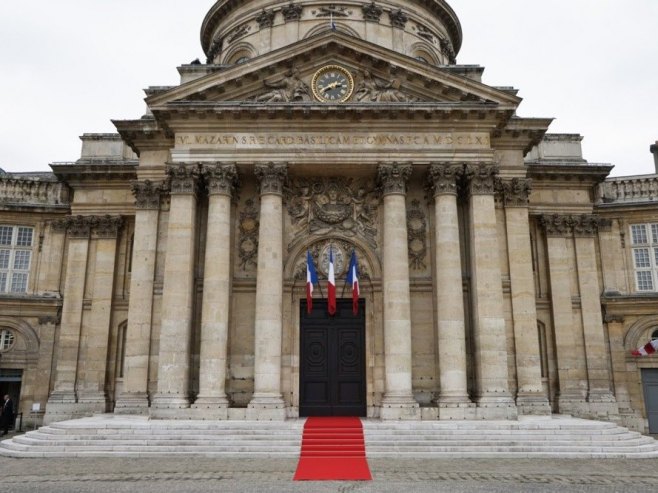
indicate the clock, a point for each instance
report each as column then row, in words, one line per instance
column 332, row 84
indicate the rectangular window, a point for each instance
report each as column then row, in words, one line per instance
column 645, row 255
column 15, row 258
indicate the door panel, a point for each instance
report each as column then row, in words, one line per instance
column 650, row 384
column 332, row 361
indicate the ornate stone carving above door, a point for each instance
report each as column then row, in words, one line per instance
column 342, row 252
column 318, row 206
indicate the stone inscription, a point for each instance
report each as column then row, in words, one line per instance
column 318, row 140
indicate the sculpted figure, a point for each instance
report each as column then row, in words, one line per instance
column 290, row 88
column 370, row 89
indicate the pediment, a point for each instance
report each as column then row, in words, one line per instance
column 381, row 76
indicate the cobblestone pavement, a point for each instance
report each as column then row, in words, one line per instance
column 275, row 475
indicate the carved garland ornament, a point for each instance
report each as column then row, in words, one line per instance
column 320, row 206
column 416, row 236
column 248, row 239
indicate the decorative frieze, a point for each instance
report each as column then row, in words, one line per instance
column 515, row 192
column 393, row 177
column 265, row 19
column 416, row 236
column 183, row 178
column 481, row 178
column 320, row 206
column 372, row 12
column 566, row 225
column 238, row 33
column 398, row 18
column 332, row 11
column 147, row 194
column 272, row 177
column 221, row 178
column 443, row 178
column 292, row 12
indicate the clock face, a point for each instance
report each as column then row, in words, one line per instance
column 332, row 84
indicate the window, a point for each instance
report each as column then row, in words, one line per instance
column 15, row 258
column 6, row 339
column 645, row 256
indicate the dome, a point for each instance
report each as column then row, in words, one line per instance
column 236, row 30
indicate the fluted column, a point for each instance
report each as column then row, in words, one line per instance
column 177, row 294
column 92, row 394
column 453, row 400
column 134, row 398
column 530, row 398
column 492, row 396
column 572, row 379
column 398, row 401
column 61, row 403
column 267, row 401
column 601, row 400
column 221, row 179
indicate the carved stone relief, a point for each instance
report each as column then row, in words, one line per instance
column 248, row 236
column 342, row 251
column 238, row 33
column 425, row 33
column 332, row 10
column 318, row 206
column 289, row 88
column 417, row 236
column 373, row 90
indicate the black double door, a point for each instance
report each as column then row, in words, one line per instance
column 332, row 360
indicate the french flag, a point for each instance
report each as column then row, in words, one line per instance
column 331, row 290
column 311, row 280
column 649, row 348
column 353, row 279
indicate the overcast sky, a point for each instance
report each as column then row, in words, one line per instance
column 69, row 66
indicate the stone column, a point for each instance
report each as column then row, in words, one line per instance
column 398, row 401
column 617, row 333
column 530, row 398
column 62, row 401
column 134, row 398
column 493, row 397
column 572, row 385
column 267, row 402
column 601, row 400
column 93, row 396
column 177, row 295
column 221, row 179
column 453, row 400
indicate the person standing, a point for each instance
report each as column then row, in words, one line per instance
column 7, row 419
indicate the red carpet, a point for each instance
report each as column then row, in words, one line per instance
column 333, row 449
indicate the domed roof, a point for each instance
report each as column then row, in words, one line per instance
column 433, row 20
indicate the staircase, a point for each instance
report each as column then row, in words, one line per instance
column 541, row 437
column 132, row 436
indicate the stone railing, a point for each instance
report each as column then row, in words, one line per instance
column 40, row 191
column 629, row 189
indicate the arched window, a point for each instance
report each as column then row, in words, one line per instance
column 421, row 58
column 242, row 59
column 7, row 339
column 654, row 335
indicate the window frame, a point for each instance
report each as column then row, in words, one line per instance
column 3, row 338
column 19, row 251
column 644, row 246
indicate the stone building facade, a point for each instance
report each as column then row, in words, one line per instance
column 163, row 273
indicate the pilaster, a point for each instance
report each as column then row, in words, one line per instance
column 134, row 398
column 267, row 402
column 398, row 401
column 492, row 388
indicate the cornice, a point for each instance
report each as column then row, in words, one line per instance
column 591, row 174
column 521, row 133
column 101, row 170
column 144, row 134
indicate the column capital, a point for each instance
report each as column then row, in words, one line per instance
column 183, row 178
column 107, row 226
column 221, row 178
column 565, row 225
column 613, row 318
column 75, row 226
column 481, row 178
column 514, row 192
column 393, row 177
column 147, row 194
column 272, row 177
column 443, row 178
